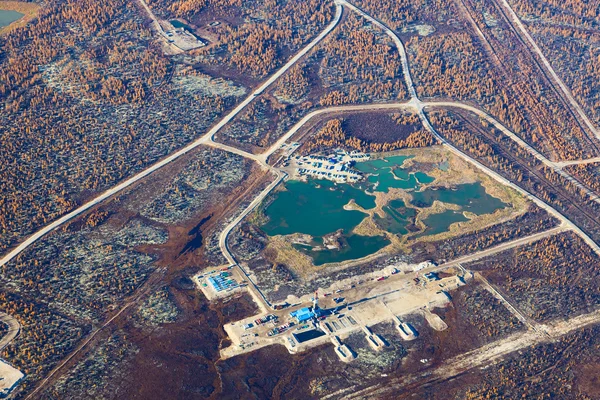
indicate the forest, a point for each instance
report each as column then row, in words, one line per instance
column 85, row 90
column 46, row 337
column 587, row 174
column 568, row 34
column 534, row 220
column 78, row 121
column 88, row 97
column 356, row 64
column 471, row 56
column 332, row 135
column 539, row 278
column 273, row 30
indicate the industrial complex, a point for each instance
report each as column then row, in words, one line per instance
column 348, row 306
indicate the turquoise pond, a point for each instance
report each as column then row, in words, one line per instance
column 438, row 223
column 316, row 208
column 386, row 173
column 355, row 246
column 470, row 196
column 7, row 17
column 178, row 24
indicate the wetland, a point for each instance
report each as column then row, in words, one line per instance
column 400, row 198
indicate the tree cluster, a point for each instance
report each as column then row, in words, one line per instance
column 87, row 99
column 273, row 30
column 361, row 64
column 45, row 338
column 588, row 174
column 332, row 135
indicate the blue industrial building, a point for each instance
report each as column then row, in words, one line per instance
column 303, row 314
column 222, row 282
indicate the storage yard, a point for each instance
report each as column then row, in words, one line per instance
column 336, row 167
column 183, row 39
column 333, row 313
column 220, row 282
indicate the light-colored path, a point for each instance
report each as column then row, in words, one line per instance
column 477, row 358
column 557, row 167
column 155, row 22
column 235, row 150
column 563, row 88
column 469, row 360
column 399, row 45
column 223, row 237
column 208, row 137
column 505, row 246
column 13, row 329
column 264, row 302
column 531, row 324
column 562, row 164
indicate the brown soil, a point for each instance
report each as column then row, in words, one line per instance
column 178, row 360
column 588, row 380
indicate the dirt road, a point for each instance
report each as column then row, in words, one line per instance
column 562, row 164
column 208, row 137
column 469, row 360
column 419, row 107
column 480, row 357
column 526, row 37
column 14, row 327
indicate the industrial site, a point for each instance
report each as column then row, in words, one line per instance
column 340, row 300
column 299, row 199
column 348, row 307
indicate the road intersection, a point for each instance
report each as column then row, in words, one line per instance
column 414, row 104
column 478, row 357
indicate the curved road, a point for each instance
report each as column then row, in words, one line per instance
column 414, row 103
column 280, row 176
column 399, row 45
column 420, row 106
column 208, row 137
column 14, row 327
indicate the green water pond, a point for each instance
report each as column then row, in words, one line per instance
column 355, row 246
column 316, row 208
column 7, row 17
